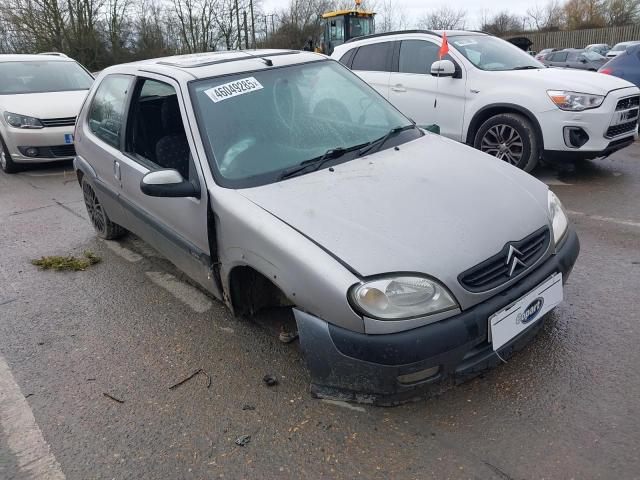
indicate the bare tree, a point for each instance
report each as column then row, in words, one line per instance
column 443, row 18
column 502, row 23
column 391, row 16
column 622, row 12
column 548, row 17
column 584, row 14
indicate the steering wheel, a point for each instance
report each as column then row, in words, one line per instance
column 364, row 108
column 331, row 109
column 284, row 101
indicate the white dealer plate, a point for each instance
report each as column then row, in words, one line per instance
column 233, row 89
column 509, row 322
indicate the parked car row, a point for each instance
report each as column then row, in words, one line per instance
column 581, row 59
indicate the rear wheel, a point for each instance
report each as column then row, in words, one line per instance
column 509, row 137
column 6, row 163
column 104, row 227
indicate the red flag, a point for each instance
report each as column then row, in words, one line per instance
column 444, row 49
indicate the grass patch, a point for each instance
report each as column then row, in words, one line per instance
column 67, row 263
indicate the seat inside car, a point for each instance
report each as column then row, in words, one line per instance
column 172, row 149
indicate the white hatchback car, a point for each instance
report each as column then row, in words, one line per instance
column 493, row 96
column 40, row 97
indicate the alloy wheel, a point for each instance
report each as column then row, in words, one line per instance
column 94, row 208
column 3, row 158
column 503, row 142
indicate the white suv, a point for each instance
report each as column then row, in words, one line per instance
column 40, row 97
column 493, row 96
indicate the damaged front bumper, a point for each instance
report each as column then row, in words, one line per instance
column 394, row 368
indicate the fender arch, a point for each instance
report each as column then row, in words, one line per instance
column 489, row 111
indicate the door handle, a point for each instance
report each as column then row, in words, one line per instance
column 398, row 88
column 116, row 170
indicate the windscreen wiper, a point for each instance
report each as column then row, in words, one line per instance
column 526, row 67
column 376, row 145
column 316, row 163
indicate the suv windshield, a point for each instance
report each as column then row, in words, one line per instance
column 257, row 126
column 41, row 77
column 491, row 53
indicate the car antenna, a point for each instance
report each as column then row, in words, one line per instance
column 266, row 61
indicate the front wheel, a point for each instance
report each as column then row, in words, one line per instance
column 103, row 226
column 6, row 163
column 509, row 137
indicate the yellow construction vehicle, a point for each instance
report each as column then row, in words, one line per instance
column 343, row 25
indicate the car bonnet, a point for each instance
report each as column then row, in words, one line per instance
column 434, row 206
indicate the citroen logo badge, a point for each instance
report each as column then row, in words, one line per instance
column 513, row 259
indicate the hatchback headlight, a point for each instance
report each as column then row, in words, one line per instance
column 574, row 101
column 399, row 297
column 22, row 121
column 558, row 217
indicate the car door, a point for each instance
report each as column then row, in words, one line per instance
column 104, row 129
column 157, row 137
column 372, row 63
column 425, row 98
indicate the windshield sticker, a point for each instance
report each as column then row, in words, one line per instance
column 464, row 43
column 233, row 89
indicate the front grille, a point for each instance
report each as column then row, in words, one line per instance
column 628, row 102
column 59, row 122
column 64, row 151
column 495, row 271
column 622, row 128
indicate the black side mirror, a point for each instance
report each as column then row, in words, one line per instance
column 167, row 183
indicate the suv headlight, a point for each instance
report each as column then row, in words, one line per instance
column 400, row 297
column 574, row 101
column 22, row 121
column 559, row 220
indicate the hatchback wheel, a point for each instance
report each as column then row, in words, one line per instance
column 104, row 227
column 6, row 163
column 509, row 137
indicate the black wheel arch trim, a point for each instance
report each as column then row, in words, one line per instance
column 478, row 119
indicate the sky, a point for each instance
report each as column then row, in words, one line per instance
column 415, row 8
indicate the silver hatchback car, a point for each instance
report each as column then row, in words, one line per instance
column 279, row 178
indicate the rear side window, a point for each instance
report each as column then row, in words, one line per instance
column 106, row 116
column 347, row 57
column 375, row 57
column 572, row 57
column 416, row 56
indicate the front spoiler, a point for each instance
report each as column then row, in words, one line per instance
column 365, row 368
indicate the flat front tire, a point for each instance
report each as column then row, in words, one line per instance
column 509, row 137
column 103, row 226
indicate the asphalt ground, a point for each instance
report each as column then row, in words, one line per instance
column 567, row 406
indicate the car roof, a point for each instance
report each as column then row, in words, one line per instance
column 212, row 64
column 44, row 57
column 437, row 33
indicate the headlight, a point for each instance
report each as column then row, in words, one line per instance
column 559, row 220
column 574, row 101
column 22, row 121
column 400, row 297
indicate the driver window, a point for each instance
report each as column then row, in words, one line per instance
column 156, row 135
column 337, row 29
column 416, row 56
